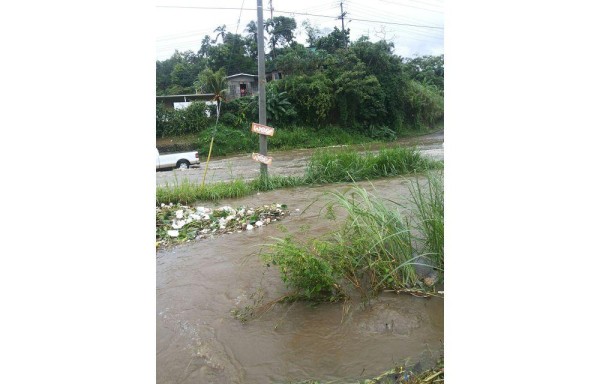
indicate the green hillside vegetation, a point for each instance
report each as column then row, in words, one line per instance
column 341, row 95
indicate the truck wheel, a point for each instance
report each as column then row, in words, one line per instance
column 183, row 164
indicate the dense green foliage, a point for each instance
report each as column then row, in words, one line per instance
column 171, row 122
column 359, row 85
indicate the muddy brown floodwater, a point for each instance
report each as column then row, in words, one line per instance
column 201, row 282
column 288, row 163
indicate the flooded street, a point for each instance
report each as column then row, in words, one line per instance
column 200, row 283
column 288, row 163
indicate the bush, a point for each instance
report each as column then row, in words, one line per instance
column 302, row 268
column 227, row 140
column 423, row 106
column 174, row 122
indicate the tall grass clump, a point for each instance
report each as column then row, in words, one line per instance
column 378, row 240
column 373, row 250
column 346, row 165
column 381, row 244
column 428, row 213
column 186, row 192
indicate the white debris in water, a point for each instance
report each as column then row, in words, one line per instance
column 228, row 209
column 225, row 220
column 178, row 224
column 297, row 209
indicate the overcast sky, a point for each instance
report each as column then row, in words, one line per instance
column 183, row 28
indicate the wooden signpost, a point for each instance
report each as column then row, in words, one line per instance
column 262, row 158
column 266, row 131
column 262, row 129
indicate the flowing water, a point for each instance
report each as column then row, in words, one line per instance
column 288, row 163
column 201, row 282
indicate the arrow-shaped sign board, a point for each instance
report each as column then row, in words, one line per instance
column 262, row 158
column 262, row 129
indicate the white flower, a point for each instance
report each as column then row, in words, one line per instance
column 173, row 233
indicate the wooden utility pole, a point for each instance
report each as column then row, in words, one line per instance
column 342, row 17
column 262, row 102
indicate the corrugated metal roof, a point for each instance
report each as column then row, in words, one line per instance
column 241, row 74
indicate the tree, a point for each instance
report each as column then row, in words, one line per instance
column 221, row 31
column 313, row 33
column 281, row 29
column 298, row 60
column 428, row 70
column 252, row 40
column 204, row 46
column 359, row 96
column 334, row 41
column 233, row 55
column 312, row 97
column 215, row 83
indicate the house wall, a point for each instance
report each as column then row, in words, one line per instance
column 234, row 86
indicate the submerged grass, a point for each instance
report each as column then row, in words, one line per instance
column 323, row 167
column 429, row 215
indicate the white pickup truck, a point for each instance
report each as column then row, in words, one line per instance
column 176, row 160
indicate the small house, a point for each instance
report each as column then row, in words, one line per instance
column 242, row 84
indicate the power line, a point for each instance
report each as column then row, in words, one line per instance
column 336, row 17
column 386, row 15
column 403, row 24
